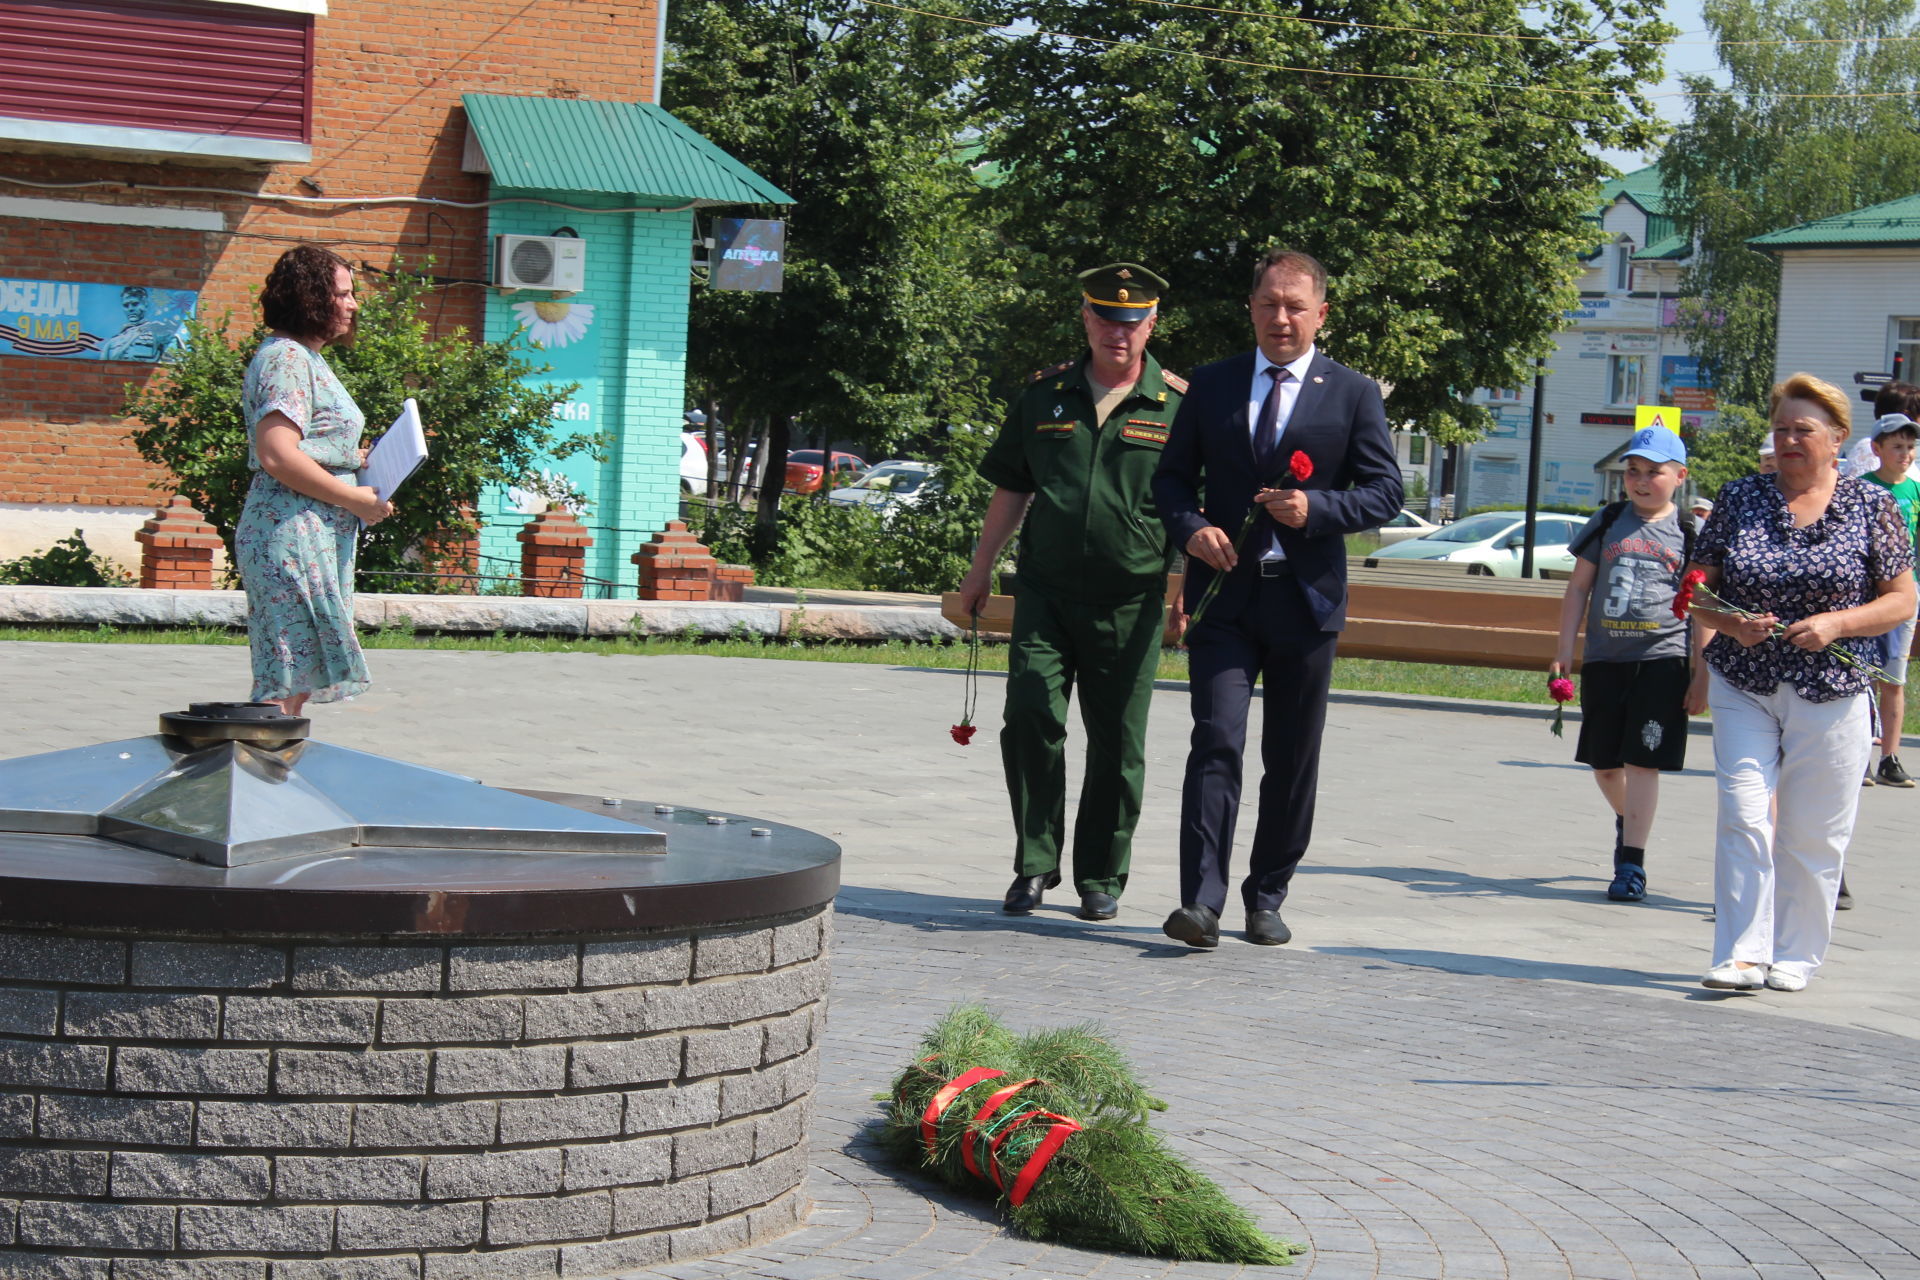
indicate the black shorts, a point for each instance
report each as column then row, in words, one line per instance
column 1634, row 713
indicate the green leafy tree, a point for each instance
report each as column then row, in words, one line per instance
column 1446, row 180
column 853, row 111
column 930, row 542
column 1760, row 159
column 485, row 424
column 1729, row 452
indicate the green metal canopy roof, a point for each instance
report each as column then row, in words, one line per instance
column 631, row 149
column 1672, row 247
column 1896, row 222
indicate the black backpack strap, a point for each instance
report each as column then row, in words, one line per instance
column 1608, row 514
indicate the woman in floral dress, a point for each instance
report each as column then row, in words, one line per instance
column 1819, row 564
column 295, row 540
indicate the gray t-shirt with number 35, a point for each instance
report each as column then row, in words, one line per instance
column 1638, row 566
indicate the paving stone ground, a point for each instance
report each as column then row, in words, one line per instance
column 1467, row 1065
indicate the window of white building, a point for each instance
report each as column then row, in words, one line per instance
column 1623, row 379
column 1906, row 346
column 1623, row 266
column 1502, row 395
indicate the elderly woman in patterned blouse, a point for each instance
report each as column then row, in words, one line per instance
column 1822, row 564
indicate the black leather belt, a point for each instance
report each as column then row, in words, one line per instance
column 1276, row 568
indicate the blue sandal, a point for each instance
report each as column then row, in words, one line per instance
column 1629, row 884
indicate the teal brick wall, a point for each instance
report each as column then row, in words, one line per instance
column 630, row 359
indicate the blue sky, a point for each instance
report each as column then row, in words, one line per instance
column 1691, row 54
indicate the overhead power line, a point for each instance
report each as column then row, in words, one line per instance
column 1000, row 28
column 1520, row 35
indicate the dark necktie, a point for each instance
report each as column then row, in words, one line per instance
column 1266, row 433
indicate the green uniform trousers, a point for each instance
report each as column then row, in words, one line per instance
column 1112, row 651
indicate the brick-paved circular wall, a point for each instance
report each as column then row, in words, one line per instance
column 305, row 1109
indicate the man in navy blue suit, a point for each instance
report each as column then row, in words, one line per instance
column 1250, row 425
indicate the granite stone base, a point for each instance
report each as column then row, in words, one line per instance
column 180, row 1108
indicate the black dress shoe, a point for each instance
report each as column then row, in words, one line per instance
column 1267, row 929
column 1195, row 925
column 1024, row 894
column 1098, row 906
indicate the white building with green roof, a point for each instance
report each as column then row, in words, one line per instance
column 1850, row 293
column 1618, row 352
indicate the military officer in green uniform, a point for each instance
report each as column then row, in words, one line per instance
column 1075, row 460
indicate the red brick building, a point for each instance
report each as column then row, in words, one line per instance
column 150, row 145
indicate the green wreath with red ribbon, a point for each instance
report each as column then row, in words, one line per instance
column 1053, row 1126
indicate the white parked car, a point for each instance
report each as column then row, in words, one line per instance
column 693, row 462
column 1493, row 542
column 1405, row 525
column 889, row 484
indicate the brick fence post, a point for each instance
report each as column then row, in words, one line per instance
column 451, row 551
column 179, row 546
column 675, row 565
column 730, row 581
column 553, row 554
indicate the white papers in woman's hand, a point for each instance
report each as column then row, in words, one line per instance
column 396, row 453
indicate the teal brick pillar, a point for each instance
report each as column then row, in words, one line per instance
column 623, row 338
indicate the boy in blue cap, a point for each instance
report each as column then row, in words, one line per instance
column 1637, row 690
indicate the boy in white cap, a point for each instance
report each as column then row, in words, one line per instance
column 1895, row 436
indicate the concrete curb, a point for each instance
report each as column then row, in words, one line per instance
column 142, row 607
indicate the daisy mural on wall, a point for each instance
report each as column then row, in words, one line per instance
column 541, row 486
column 554, row 323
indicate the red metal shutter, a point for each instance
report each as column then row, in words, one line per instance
column 159, row 64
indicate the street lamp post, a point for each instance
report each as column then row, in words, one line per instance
column 1533, row 465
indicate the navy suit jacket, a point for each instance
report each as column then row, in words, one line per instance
column 1338, row 421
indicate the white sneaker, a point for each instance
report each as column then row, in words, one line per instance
column 1779, row 979
column 1731, row 977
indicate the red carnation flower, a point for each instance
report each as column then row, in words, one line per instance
column 1683, row 599
column 963, row 732
column 1301, row 466
column 1560, row 689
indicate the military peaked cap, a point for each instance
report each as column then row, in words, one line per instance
column 1123, row 291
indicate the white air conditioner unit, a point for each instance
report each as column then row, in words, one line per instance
column 558, row 263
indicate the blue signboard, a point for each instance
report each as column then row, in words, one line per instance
column 1684, row 383
column 73, row 321
column 1508, row 419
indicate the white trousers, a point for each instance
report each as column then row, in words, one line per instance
column 1775, row 878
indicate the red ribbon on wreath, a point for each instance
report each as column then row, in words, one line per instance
column 1062, row 1128
column 930, row 1119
